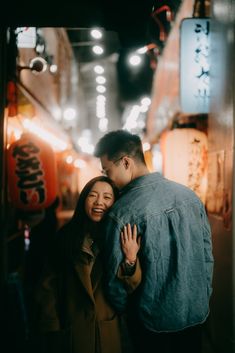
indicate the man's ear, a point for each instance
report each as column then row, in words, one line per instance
column 126, row 162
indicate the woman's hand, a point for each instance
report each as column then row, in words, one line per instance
column 130, row 243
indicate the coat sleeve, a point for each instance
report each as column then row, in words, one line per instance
column 132, row 281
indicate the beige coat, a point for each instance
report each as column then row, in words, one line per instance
column 74, row 311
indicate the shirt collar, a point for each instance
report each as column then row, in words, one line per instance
column 141, row 181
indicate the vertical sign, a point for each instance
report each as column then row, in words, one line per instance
column 26, row 37
column 194, row 65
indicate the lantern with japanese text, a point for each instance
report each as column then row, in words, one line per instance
column 31, row 173
column 184, row 153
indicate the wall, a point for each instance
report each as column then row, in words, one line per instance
column 165, row 90
column 220, row 179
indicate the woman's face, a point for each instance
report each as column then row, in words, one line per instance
column 99, row 200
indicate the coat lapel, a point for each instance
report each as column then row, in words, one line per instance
column 89, row 275
column 96, row 273
column 83, row 271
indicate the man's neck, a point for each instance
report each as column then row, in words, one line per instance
column 140, row 171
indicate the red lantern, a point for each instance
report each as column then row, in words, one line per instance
column 32, row 173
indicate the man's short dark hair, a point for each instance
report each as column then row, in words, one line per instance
column 116, row 143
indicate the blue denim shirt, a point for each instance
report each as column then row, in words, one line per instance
column 175, row 255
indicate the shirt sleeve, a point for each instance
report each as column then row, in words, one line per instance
column 115, row 288
column 208, row 254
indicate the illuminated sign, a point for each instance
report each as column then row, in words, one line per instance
column 26, row 37
column 194, row 65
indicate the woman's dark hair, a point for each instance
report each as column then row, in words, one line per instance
column 71, row 235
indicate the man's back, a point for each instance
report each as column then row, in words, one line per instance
column 175, row 255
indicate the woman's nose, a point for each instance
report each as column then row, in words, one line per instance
column 98, row 201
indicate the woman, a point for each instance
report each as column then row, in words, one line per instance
column 74, row 314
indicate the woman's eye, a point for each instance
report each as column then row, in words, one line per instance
column 91, row 195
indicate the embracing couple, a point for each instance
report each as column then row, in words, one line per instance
column 132, row 270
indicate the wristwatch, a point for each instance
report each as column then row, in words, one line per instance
column 130, row 263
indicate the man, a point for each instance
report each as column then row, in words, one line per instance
column 167, row 310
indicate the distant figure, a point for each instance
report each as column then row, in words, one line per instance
column 41, row 240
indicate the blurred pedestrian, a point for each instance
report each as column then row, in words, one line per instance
column 41, row 239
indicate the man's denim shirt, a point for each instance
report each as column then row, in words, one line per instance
column 175, row 255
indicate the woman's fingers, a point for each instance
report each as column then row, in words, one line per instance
column 124, row 235
column 130, row 241
column 129, row 233
column 138, row 241
column 134, row 231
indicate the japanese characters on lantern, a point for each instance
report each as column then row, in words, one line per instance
column 32, row 173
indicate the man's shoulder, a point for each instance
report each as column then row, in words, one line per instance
column 181, row 189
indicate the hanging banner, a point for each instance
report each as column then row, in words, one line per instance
column 195, row 65
column 32, row 173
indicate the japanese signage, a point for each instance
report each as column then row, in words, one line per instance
column 195, row 65
column 26, row 37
